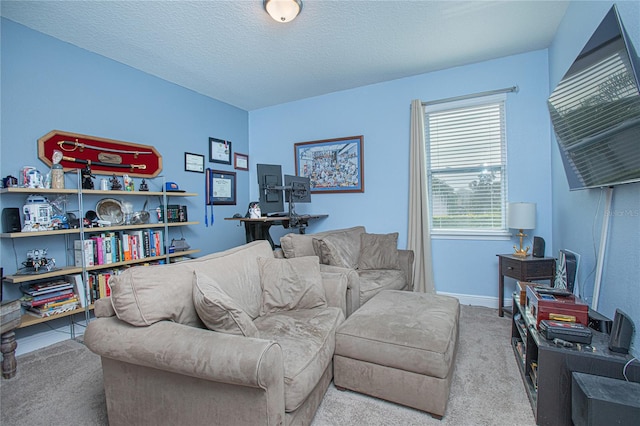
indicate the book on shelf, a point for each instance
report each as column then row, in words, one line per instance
column 85, row 251
column 31, row 301
column 78, row 287
column 66, row 306
column 37, row 289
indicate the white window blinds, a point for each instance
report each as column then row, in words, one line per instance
column 466, row 163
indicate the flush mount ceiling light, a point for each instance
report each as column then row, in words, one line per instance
column 283, row 10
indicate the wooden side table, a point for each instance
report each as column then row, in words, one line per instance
column 523, row 269
column 10, row 316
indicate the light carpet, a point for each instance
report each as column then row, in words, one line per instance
column 62, row 384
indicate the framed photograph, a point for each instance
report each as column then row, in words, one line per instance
column 332, row 165
column 240, row 161
column 221, row 188
column 193, row 162
column 219, row 151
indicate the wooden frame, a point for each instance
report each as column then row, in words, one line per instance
column 193, row 162
column 222, row 188
column 240, row 161
column 219, row 151
column 332, row 165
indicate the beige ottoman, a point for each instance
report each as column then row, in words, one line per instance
column 400, row 346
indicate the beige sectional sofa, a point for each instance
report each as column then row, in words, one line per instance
column 268, row 360
column 372, row 262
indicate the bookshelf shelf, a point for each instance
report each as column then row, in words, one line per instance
column 83, row 234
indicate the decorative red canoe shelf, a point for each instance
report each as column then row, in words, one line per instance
column 105, row 156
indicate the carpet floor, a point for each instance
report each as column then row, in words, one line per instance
column 62, row 385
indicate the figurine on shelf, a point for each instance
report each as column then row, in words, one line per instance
column 87, row 183
column 115, row 183
column 143, row 186
column 128, row 183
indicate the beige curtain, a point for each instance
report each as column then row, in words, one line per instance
column 419, row 234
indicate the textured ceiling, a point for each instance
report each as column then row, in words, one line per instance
column 234, row 52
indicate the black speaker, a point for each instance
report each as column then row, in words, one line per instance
column 599, row 322
column 11, row 219
column 621, row 333
column 538, row 247
column 600, row 401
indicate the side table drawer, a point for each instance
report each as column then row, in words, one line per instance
column 511, row 268
column 542, row 269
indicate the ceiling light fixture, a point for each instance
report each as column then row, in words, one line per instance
column 283, row 10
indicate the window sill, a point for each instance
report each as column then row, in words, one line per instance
column 470, row 235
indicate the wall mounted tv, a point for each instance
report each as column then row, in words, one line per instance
column 595, row 110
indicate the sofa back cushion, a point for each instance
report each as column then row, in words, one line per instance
column 145, row 295
column 378, row 251
column 298, row 245
column 218, row 310
column 291, row 284
column 338, row 249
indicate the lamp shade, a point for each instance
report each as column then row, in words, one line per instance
column 283, row 10
column 521, row 215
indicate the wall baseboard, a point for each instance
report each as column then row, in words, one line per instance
column 473, row 300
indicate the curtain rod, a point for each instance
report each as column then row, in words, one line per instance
column 475, row 95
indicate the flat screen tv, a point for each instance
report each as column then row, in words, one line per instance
column 595, row 110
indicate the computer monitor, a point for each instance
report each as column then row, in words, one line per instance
column 270, row 198
column 297, row 189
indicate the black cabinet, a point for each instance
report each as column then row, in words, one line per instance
column 546, row 368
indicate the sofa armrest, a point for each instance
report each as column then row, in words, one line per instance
column 103, row 308
column 406, row 259
column 190, row 351
column 353, row 285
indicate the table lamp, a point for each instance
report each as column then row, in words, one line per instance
column 521, row 216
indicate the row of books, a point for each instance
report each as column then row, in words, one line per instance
column 45, row 298
column 112, row 247
column 175, row 213
column 99, row 283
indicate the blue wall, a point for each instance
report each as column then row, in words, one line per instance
column 578, row 215
column 381, row 113
column 49, row 84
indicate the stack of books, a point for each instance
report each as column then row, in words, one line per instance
column 43, row 299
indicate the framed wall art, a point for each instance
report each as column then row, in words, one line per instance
column 240, row 161
column 332, row 165
column 221, row 188
column 219, row 151
column 193, row 162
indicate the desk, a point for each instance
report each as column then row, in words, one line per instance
column 258, row 229
column 523, row 269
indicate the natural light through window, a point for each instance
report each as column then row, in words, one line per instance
column 466, row 163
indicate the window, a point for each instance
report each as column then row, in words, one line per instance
column 466, row 164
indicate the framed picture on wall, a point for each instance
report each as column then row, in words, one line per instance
column 219, row 151
column 193, row 162
column 221, row 188
column 240, row 161
column 332, row 165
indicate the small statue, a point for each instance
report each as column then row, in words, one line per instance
column 115, row 183
column 128, row 183
column 143, row 186
column 86, row 174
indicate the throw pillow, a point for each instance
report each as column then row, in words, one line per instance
column 338, row 249
column 378, row 251
column 217, row 310
column 291, row 284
